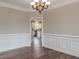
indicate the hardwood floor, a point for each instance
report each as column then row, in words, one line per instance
column 26, row 53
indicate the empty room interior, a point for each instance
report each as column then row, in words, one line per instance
column 39, row 29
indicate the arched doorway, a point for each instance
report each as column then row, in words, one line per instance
column 37, row 35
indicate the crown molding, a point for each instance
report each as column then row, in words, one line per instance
column 62, row 3
column 4, row 4
column 53, row 5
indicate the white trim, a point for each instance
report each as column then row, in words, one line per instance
column 62, row 3
column 4, row 4
column 36, row 17
column 13, row 41
column 53, row 5
column 64, row 43
column 63, row 35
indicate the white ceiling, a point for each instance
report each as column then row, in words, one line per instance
column 24, row 5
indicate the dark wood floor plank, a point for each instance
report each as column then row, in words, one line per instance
column 27, row 53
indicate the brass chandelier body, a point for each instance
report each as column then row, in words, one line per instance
column 40, row 6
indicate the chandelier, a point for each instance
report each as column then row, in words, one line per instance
column 40, row 5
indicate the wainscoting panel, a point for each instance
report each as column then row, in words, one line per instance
column 13, row 41
column 74, row 45
column 64, row 43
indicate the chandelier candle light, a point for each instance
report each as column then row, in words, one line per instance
column 40, row 5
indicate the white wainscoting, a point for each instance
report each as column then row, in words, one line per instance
column 65, row 43
column 13, row 41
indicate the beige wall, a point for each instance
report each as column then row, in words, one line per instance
column 62, row 20
column 61, row 28
column 14, row 29
column 14, row 21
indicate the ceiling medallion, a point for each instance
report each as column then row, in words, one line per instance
column 40, row 5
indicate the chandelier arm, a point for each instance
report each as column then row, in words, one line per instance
column 33, row 7
column 46, row 7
